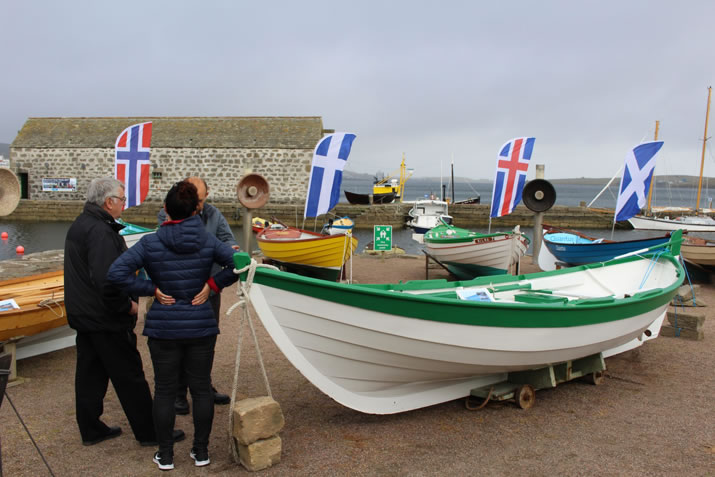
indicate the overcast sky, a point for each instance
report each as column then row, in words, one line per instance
column 432, row 80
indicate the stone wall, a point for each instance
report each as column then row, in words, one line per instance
column 365, row 217
column 287, row 170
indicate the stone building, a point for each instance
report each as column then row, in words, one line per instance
column 55, row 158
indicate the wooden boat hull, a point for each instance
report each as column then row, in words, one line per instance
column 491, row 254
column 358, row 199
column 339, row 226
column 308, row 253
column 132, row 233
column 699, row 251
column 35, row 315
column 364, row 199
column 390, row 348
column 586, row 250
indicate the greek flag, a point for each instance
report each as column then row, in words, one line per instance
column 326, row 173
column 635, row 182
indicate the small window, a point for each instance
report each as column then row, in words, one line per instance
column 156, row 175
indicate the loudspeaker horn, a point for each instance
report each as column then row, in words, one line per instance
column 9, row 192
column 252, row 191
column 539, row 195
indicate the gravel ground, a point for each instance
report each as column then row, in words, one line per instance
column 650, row 417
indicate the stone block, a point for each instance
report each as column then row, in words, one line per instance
column 256, row 418
column 669, row 331
column 691, row 321
column 685, row 296
column 261, row 454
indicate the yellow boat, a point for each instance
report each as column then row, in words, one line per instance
column 41, row 299
column 391, row 184
column 307, row 253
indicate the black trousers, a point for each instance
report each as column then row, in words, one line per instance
column 215, row 301
column 193, row 358
column 102, row 357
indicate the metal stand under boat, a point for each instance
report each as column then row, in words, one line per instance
column 521, row 385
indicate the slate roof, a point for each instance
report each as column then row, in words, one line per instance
column 202, row 132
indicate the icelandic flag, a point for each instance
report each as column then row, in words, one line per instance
column 635, row 182
column 512, row 165
column 326, row 173
column 131, row 162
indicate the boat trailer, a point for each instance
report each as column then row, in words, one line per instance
column 521, row 386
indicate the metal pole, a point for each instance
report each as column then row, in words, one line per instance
column 247, row 230
column 538, row 232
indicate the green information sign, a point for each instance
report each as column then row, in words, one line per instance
column 383, row 238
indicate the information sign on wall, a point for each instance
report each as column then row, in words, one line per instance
column 62, row 184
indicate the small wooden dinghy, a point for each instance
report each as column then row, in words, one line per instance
column 41, row 305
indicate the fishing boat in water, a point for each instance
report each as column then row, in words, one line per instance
column 571, row 247
column 307, row 253
column 385, row 190
column 339, row 226
column 258, row 224
column 428, row 213
column 384, row 349
column 468, row 254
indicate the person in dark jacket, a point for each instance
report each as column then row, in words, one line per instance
column 180, row 324
column 104, row 318
column 217, row 225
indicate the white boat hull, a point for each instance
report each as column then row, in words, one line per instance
column 500, row 253
column 650, row 223
column 380, row 363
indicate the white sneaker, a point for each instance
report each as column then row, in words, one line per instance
column 200, row 458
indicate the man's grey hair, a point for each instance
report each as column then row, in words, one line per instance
column 100, row 189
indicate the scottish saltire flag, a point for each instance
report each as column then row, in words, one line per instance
column 512, row 165
column 635, row 182
column 131, row 162
column 326, row 174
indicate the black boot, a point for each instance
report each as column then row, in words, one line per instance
column 220, row 398
column 181, row 405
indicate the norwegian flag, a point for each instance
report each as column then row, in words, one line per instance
column 512, row 165
column 131, row 162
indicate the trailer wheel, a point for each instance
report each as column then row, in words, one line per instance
column 596, row 378
column 525, row 396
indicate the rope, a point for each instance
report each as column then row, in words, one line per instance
column 243, row 291
column 651, row 266
column 48, row 302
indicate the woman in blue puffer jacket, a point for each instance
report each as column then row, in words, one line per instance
column 180, row 323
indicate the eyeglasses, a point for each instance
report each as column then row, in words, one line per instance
column 123, row 199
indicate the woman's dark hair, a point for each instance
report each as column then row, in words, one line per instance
column 181, row 200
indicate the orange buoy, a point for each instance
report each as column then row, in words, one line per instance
column 4, row 235
column 20, row 249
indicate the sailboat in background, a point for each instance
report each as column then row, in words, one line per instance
column 691, row 223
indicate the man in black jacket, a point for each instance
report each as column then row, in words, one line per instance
column 104, row 319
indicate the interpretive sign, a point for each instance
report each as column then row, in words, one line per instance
column 62, row 184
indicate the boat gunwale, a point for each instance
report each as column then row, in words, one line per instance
column 382, row 298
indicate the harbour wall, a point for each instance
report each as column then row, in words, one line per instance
column 365, row 216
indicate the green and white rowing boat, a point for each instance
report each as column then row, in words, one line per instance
column 384, row 349
column 470, row 254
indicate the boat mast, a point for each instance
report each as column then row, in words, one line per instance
column 402, row 176
column 702, row 159
column 652, row 180
column 452, row 201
